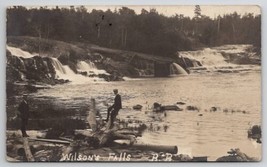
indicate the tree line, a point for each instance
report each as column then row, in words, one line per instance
column 147, row 32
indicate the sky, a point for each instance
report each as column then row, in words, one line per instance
column 187, row 10
column 211, row 11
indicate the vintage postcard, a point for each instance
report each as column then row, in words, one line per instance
column 133, row 83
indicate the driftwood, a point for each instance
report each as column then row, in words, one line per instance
column 96, row 137
column 51, row 141
column 156, row 148
column 10, row 159
column 27, row 149
column 106, row 135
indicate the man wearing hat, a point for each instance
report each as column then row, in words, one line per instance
column 114, row 109
column 24, row 115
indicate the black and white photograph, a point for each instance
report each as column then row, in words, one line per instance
column 167, row 83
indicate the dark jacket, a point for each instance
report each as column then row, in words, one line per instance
column 117, row 102
column 24, row 110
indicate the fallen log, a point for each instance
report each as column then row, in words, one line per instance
column 50, row 141
column 66, row 139
column 200, row 159
column 156, row 148
column 10, row 159
column 97, row 138
column 27, row 150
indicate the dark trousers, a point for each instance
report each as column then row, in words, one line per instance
column 24, row 123
column 113, row 114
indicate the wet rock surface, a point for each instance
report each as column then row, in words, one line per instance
column 255, row 133
column 235, row 155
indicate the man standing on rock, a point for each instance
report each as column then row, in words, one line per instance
column 114, row 109
column 24, row 115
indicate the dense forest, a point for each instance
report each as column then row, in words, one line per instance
column 147, row 32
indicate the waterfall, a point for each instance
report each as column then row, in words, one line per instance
column 90, row 68
column 62, row 71
column 58, row 66
column 65, row 72
column 176, row 69
column 23, row 67
column 82, row 65
column 218, row 59
column 18, row 52
column 207, row 57
column 34, row 64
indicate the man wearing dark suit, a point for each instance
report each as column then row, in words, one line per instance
column 24, row 115
column 114, row 109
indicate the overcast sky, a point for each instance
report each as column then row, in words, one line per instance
column 211, row 11
column 187, row 10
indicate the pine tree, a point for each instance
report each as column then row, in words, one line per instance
column 197, row 12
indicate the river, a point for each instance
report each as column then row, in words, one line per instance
column 211, row 134
column 234, row 90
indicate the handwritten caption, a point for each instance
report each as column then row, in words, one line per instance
column 113, row 157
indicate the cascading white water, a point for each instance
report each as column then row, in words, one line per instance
column 22, row 63
column 19, row 52
column 58, row 67
column 62, row 71
column 176, row 69
column 213, row 60
column 207, row 57
column 90, row 68
column 82, row 65
column 66, row 73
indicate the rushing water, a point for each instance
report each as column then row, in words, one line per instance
column 234, row 90
column 212, row 134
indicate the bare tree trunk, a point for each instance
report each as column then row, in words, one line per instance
column 122, row 36
column 48, row 31
column 40, row 36
column 219, row 22
column 125, row 37
column 98, row 31
column 234, row 32
column 110, row 38
column 182, row 26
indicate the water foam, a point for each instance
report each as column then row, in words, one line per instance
column 66, row 73
column 90, row 68
column 19, row 52
column 213, row 60
column 176, row 69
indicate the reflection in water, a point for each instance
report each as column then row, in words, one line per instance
column 228, row 104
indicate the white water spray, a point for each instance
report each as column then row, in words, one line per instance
column 66, row 73
column 213, row 60
column 90, row 68
column 19, row 52
column 176, row 69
